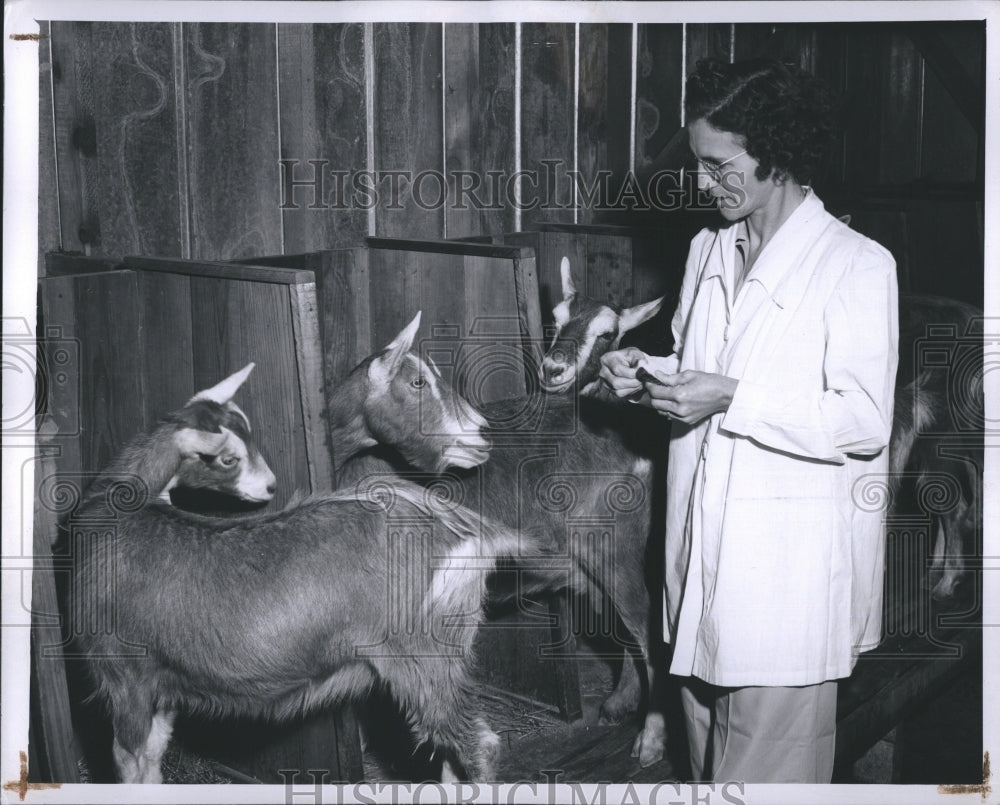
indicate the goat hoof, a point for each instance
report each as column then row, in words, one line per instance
column 648, row 748
column 944, row 590
column 613, row 711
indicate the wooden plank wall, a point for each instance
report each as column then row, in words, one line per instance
column 183, row 139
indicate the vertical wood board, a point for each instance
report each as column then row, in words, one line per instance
column 547, row 104
column 493, row 334
column 408, row 128
column 604, row 113
column 658, row 94
column 49, row 232
column 495, row 112
column 51, row 738
column 706, row 40
column 344, row 301
column 463, row 128
column 106, row 321
column 865, row 70
column 169, row 361
column 115, row 118
column 321, row 83
column 232, row 135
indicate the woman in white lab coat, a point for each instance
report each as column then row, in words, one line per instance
column 780, row 391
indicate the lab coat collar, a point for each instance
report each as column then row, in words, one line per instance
column 773, row 264
column 777, row 260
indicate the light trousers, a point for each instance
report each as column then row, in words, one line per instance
column 761, row 734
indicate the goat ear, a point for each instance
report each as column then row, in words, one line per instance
column 191, row 441
column 223, row 392
column 845, row 219
column 632, row 317
column 385, row 367
column 568, row 288
column 239, row 412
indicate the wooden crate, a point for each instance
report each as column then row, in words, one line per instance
column 145, row 339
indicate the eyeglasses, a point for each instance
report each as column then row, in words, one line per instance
column 714, row 169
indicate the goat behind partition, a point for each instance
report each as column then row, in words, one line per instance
column 206, row 446
column 585, row 330
column 396, row 400
column 278, row 614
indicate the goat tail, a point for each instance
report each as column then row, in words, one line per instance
column 459, row 581
column 457, row 587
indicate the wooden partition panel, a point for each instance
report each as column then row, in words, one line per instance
column 619, row 265
column 208, row 320
column 142, row 340
column 480, row 317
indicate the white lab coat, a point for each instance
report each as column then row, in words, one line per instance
column 775, row 541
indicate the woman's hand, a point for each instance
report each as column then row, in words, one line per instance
column 618, row 370
column 690, row 396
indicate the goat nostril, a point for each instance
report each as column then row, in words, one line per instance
column 272, row 488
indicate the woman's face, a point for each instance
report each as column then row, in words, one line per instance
column 726, row 171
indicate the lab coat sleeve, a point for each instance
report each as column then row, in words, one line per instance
column 852, row 412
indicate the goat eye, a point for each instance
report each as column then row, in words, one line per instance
column 418, row 382
column 228, row 461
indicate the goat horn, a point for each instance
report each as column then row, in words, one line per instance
column 223, row 392
column 407, row 333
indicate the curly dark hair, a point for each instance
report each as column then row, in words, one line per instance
column 784, row 114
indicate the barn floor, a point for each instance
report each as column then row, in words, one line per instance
column 940, row 744
column 536, row 745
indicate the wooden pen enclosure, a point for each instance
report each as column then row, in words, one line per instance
column 136, row 342
column 291, row 194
